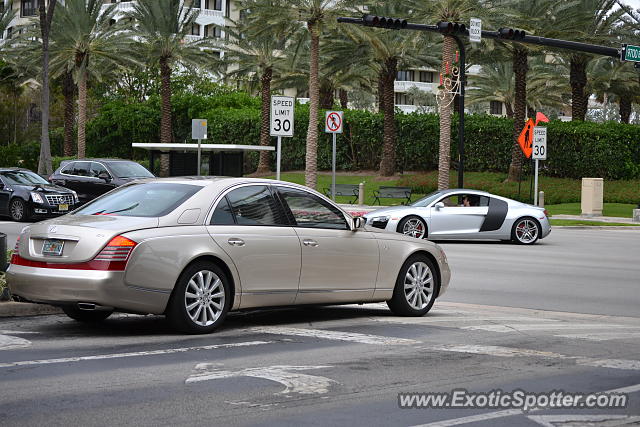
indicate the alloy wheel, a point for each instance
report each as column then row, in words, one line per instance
column 526, row 231
column 204, row 298
column 414, row 227
column 17, row 210
column 418, row 285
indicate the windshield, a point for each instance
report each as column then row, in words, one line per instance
column 129, row 170
column 145, row 200
column 426, row 200
column 23, row 178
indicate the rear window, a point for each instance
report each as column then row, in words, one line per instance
column 129, row 170
column 144, row 200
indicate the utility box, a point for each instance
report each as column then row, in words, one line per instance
column 591, row 201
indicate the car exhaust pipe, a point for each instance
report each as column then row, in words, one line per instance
column 89, row 306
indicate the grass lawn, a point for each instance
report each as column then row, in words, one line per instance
column 621, row 210
column 371, row 183
column 561, row 222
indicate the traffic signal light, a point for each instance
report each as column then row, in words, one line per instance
column 451, row 28
column 384, row 22
column 511, row 34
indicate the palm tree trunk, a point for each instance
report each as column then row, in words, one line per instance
column 625, row 108
column 68, row 91
column 311, row 166
column 344, row 99
column 381, row 92
column 82, row 112
column 520, row 68
column 444, row 150
column 509, row 109
column 165, row 119
column 326, row 96
column 578, row 81
column 263, row 163
column 46, row 15
column 388, row 162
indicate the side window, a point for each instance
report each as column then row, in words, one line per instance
column 97, row 169
column 222, row 215
column 68, row 169
column 310, row 211
column 81, row 168
column 254, row 205
column 465, row 200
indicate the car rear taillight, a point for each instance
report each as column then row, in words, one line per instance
column 16, row 248
column 118, row 249
column 113, row 257
column 546, row 213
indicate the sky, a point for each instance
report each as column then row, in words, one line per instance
column 633, row 3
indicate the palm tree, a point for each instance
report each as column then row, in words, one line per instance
column 269, row 16
column 547, row 18
column 615, row 81
column 597, row 20
column 6, row 16
column 160, row 29
column 46, row 17
column 84, row 44
column 448, row 11
column 391, row 50
column 258, row 59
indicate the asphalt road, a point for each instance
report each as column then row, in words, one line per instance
column 346, row 365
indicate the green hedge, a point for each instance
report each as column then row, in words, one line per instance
column 576, row 149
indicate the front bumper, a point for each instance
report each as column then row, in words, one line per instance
column 64, row 287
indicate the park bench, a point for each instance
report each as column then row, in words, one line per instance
column 347, row 190
column 392, row 193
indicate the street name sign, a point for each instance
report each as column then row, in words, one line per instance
column 539, row 143
column 333, row 122
column 198, row 129
column 631, row 53
column 282, row 116
column 475, row 30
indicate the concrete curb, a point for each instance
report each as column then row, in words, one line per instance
column 19, row 309
column 597, row 227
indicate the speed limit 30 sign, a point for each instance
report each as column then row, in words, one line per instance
column 282, row 116
column 539, row 143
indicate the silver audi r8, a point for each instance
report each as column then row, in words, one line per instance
column 464, row 214
column 194, row 249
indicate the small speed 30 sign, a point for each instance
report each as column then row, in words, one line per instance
column 539, row 143
column 282, row 116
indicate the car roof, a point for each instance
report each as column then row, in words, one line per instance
column 465, row 190
column 98, row 160
column 16, row 169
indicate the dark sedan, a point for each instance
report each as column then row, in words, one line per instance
column 91, row 178
column 24, row 195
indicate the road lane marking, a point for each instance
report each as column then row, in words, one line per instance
column 8, row 342
column 334, row 335
column 463, row 319
column 574, row 419
column 514, row 327
column 499, row 351
column 601, row 336
column 133, row 354
column 511, row 412
column 294, row 382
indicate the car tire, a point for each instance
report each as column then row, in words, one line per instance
column 416, row 287
column 413, row 226
column 200, row 301
column 525, row 231
column 87, row 316
column 19, row 210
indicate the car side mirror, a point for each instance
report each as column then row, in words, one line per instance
column 104, row 176
column 438, row 206
column 358, row 222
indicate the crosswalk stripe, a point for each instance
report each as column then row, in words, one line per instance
column 601, row 336
column 334, row 335
column 514, row 327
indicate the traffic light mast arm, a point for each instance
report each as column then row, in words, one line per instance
column 540, row 41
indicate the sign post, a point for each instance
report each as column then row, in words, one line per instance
column 281, row 123
column 539, row 152
column 199, row 132
column 333, row 124
column 475, row 30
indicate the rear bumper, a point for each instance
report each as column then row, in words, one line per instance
column 545, row 226
column 62, row 287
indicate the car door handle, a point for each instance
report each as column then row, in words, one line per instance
column 235, row 241
column 309, row 242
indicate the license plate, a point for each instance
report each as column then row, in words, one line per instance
column 52, row 247
column 63, row 208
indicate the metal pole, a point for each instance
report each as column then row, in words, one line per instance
column 333, row 170
column 535, row 193
column 199, row 154
column 463, row 78
column 278, row 158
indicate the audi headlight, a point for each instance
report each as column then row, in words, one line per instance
column 36, row 197
column 380, row 219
